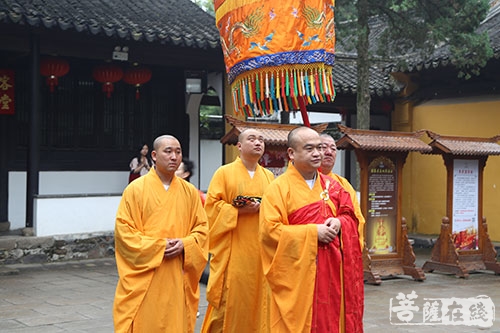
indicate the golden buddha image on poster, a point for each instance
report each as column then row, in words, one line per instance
column 381, row 236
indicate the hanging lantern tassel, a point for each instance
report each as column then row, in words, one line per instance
column 137, row 76
column 108, row 88
column 52, row 81
column 137, row 93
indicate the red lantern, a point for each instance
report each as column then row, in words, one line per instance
column 137, row 76
column 107, row 75
column 53, row 68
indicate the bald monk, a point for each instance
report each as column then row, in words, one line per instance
column 236, row 289
column 161, row 239
column 310, row 246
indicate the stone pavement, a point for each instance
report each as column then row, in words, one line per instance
column 77, row 296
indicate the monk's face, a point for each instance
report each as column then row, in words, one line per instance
column 329, row 153
column 306, row 152
column 168, row 156
column 251, row 144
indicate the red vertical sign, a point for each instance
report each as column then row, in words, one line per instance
column 7, row 86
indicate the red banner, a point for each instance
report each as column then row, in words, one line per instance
column 7, row 88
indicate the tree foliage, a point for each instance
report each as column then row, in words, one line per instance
column 206, row 5
column 414, row 31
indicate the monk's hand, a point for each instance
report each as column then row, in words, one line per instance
column 334, row 223
column 174, row 248
column 326, row 233
column 250, row 208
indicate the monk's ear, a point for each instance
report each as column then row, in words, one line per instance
column 290, row 153
column 153, row 155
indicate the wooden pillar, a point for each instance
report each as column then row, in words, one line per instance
column 33, row 166
column 4, row 171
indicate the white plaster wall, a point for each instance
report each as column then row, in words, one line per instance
column 210, row 161
column 17, row 200
column 74, row 215
column 61, row 183
column 193, row 110
column 78, row 182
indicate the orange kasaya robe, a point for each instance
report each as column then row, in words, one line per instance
column 155, row 294
column 357, row 209
column 315, row 287
column 236, row 290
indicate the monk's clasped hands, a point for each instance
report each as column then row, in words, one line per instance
column 328, row 230
column 174, row 248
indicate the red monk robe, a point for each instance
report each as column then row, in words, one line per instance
column 315, row 287
column 357, row 209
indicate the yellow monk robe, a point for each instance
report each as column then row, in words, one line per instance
column 357, row 209
column 236, row 289
column 156, row 294
column 292, row 257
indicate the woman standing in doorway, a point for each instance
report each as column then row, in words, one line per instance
column 140, row 165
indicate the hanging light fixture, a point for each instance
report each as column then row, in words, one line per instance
column 137, row 76
column 53, row 68
column 107, row 75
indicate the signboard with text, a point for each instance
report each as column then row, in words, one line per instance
column 465, row 219
column 7, row 92
column 382, row 206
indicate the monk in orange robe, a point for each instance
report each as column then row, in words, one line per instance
column 329, row 156
column 161, row 239
column 311, row 253
column 237, row 292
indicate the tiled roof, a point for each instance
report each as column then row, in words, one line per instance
column 173, row 22
column 382, row 140
column 345, row 76
column 274, row 134
column 464, row 146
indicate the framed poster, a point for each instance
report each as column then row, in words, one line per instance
column 381, row 223
column 465, row 210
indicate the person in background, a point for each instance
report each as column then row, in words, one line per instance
column 309, row 239
column 140, row 164
column 161, row 243
column 185, row 171
column 236, row 292
column 329, row 156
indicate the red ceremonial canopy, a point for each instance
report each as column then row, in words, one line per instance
column 278, row 54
